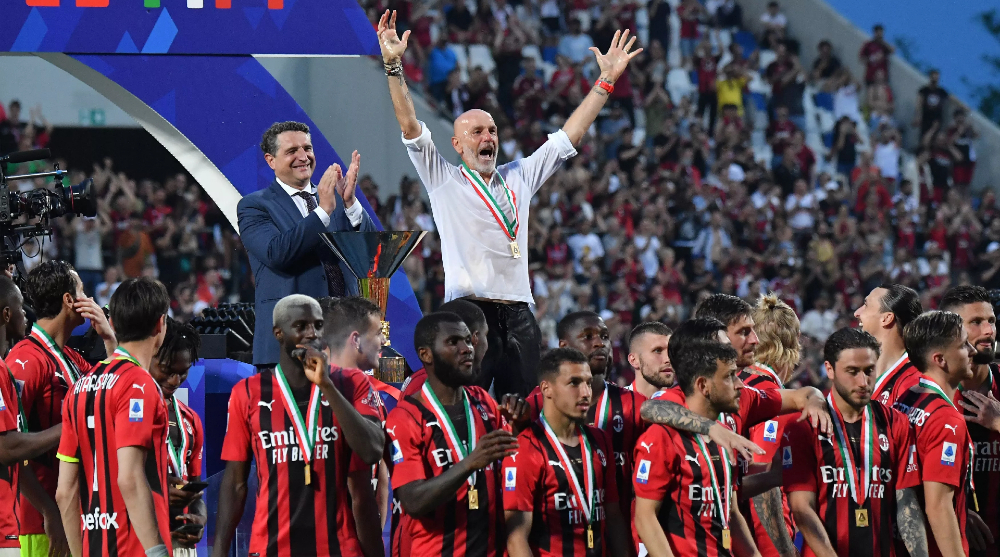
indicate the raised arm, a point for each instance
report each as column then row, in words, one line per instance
column 392, row 56
column 612, row 66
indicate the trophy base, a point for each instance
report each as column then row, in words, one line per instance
column 391, row 369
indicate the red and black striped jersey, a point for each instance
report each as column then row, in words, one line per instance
column 535, row 481
column 293, row 518
column 943, row 445
column 9, row 421
column 811, row 462
column 896, row 381
column 43, row 385
column 193, row 450
column 413, row 383
column 419, row 451
column 116, row 405
column 767, row 436
column 671, row 468
column 986, row 469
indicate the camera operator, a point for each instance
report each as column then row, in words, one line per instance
column 47, row 370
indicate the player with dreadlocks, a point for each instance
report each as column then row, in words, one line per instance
column 185, row 440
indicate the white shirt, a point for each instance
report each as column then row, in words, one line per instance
column 475, row 251
column 354, row 212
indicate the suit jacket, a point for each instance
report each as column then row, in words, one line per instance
column 286, row 255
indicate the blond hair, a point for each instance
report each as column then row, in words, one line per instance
column 777, row 328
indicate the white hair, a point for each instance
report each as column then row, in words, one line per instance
column 285, row 305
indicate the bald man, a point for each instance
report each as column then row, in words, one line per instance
column 479, row 207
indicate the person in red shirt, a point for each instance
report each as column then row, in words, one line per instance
column 308, row 425
column 685, row 483
column 560, row 491
column 780, row 131
column 849, row 491
column 647, row 354
column 186, row 436
column 475, row 320
column 113, row 447
column 884, row 314
column 977, row 397
column 874, row 54
column 939, row 348
column 445, row 444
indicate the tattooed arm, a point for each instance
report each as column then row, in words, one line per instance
column 770, row 513
column 678, row 417
column 910, row 521
column 392, row 53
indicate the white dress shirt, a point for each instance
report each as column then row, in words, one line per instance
column 354, row 212
column 474, row 249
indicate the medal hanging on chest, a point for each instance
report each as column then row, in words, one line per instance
column 583, row 491
column 307, row 431
column 722, row 506
column 509, row 226
column 451, row 435
column 859, row 493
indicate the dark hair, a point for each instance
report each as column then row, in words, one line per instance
column 878, row 27
column 699, row 360
column 427, row 328
column 934, row 330
column 269, row 142
column 555, row 358
column 902, row 301
column 648, row 328
column 567, row 323
column 136, row 307
column 846, row 339
column 472, row 314
column 343, row 316
column 180, row 337
column 698, row 329
column 8, row 292
column 46, row 285
column 963, row 295
column 724, row 307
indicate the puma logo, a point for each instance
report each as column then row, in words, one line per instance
column 429, row 424
column 22, row 364
column 556, row 464
column 324, row 402
column 648, row 447
column 953, row 428
column 391, row 430
column 140, row 387
column 513, row 457
column 267, row 404
column 690, row 458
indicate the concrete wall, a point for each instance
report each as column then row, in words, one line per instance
column 348, row 98
column 810, row 21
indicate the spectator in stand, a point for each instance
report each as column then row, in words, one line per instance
column 659, row 22
column 441, row 62
column 779, row 133
column 845, row 141
column 825, row 67
column 774, row 20
column 782, row 74
column 575, row 45
column 846, row 97
column 729, row 92
column 875, row 53
column 930, row 107
column 690, row 13
column 729, row 15
column 707, row 64
column 11, row 128
column 887, row 148
column 962, row 135
column 880, row 102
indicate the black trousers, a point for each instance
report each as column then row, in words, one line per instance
column 515, row 341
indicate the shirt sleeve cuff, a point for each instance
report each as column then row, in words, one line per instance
column 421, row 141
column 325, row 218
column 354, row 213
column 65, row 458
column 563, row 144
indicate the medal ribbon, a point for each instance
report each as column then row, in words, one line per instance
column 69, row 370
column 509, row 228
column 880, row 382
column 768, row 371
column 586, row 504
column 122, row 354
column 727, row 475
column 936, row 389
column 867, row 449
column 306, row 432
column 450, row 434
column 603, row 410
column 177, row 459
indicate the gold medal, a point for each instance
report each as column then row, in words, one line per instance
column 474, row 499
column 727, row 539
column 590, row 537
column 515, row 251
column 861, row 518
column 308, row 474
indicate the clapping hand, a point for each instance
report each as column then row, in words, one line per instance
column 347, row 184
column 613, row 63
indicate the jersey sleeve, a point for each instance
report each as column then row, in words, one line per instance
column 673, row 394
column 759, row 405
column 610, row 472
column 137, row 398
column 357, row 389
column 31, row 372
column 236, row 445
column 407, row 448
column 904, row 450
column 522, row 472
column 8, row 402
column 69, row 446
column 942, row 448
column 197, row 446
column 655, row 465
column 798, row 458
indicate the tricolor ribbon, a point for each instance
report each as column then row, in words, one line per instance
column 177, row 458
column 936, row 389
column 603, row 410
column 724, row 509
column 450, row 433
column 844, row 446
column 69, row 371
column 307, row 431
column 586, row 503
column 509, row 227
column 881, row 381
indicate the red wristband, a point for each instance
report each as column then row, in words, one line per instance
column 606, row 85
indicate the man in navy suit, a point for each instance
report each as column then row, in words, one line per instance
column 280, row 227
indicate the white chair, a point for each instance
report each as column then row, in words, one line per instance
column 463, row 60
column 679, row 84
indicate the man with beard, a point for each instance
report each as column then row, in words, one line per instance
column 939, row 348
column 647, row 354
column 445, row 444
column 884, row 315
column 684, row 483
column 560, row 491
column 478, row 206
column 308, row 428
column 839, row 485
column 475, row 319
column 978, row 397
